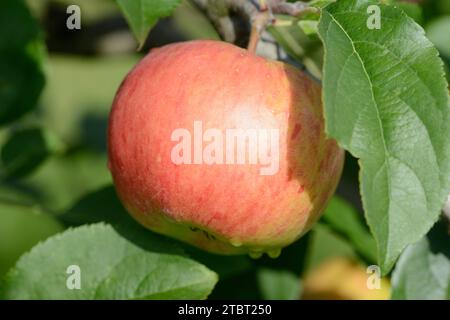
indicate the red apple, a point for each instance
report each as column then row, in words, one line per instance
column 179, row 172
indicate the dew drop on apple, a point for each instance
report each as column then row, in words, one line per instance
column 274, row 253
column 236, row 243
column 255, row 254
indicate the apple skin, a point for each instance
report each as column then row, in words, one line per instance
column 227, row 209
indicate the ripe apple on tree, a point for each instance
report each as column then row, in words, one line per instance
column 224, row 206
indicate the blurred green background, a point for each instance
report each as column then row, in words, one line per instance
column 83, row 68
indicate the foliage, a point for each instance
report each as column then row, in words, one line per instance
column 386, row 102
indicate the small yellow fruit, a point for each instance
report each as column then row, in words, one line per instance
column 342, row 279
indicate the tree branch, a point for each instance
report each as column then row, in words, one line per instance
column 295, row 9
column 225, row 15
column 256, row 13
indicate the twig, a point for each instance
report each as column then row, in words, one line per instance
column 257, row 13
column 295, row 9
column 258, row 25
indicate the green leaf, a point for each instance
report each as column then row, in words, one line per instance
column 309, row 27
column 386, row 102
column 21, row 55
column 21, row 227
column 23, row 152
column 279, row 284
column 423, row 270
column 142, row 15
column 343, row 219
column 104, row 206
column 104, row 259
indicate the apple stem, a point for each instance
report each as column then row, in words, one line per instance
column 258, row 24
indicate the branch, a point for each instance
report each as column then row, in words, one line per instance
column 295, row 9
column 256, row 13
column 222, row 14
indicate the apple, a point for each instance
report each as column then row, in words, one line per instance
column 341, row 278
column 213, row 145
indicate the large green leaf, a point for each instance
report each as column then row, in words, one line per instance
column 104, row 259
column 423, row 270
column 386, row 102
column 142, row 15
column 21, row 55
column 104, row 206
